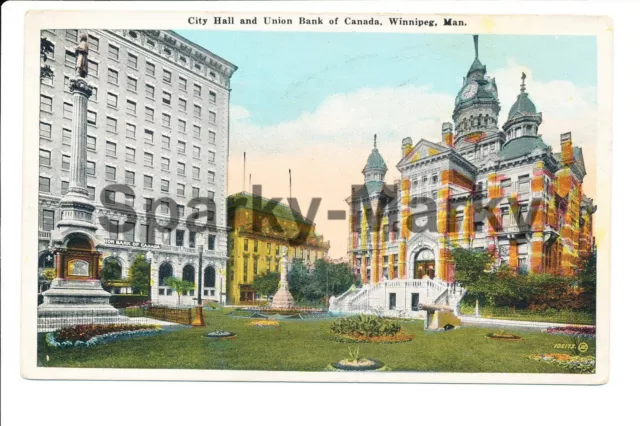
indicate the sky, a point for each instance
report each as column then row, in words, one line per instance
column 311, row 102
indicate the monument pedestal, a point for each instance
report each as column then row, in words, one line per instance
column 283, row 298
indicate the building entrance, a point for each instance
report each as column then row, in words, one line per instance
column 424, row 264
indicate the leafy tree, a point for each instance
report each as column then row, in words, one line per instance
column 298, row 279
column 139, row 275
column 587, row 274
column 46, row 49
column 111, row 270
column 328, row 279
column 181, row 287
column 266, row 284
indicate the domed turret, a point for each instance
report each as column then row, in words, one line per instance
column 375, row 169
column 476, row 105
column 523, row 118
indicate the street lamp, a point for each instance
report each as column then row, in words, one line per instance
column 200, row 250
column 149, row 258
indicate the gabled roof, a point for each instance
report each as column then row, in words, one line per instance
column 423, row 149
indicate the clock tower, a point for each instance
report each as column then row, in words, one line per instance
column 477, row 106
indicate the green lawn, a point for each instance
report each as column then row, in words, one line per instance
column 306, row 346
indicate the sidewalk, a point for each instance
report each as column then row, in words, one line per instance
column 495, row 322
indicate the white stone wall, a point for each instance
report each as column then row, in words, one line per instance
column 214, row 75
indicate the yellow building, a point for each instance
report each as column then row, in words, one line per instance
column 259, row 231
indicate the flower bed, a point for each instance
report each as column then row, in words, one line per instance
column 583, row 364
column 365, row 364
column 504, row 337
column 573, row 331
column 92, row 334
column 263, row 323
column 221, row 335
column 359, row 338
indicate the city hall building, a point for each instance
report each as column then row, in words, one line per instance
column 483, row 185
column 157, row 122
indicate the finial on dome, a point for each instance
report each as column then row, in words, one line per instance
column 475, row 43
column 523, row 86
column 375, row 142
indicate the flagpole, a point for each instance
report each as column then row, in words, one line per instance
column 289, row 183
column 244, row 171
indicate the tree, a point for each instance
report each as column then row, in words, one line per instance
column 139, row 279
column 298, row 279
column 111, row 270
column 266, row 284
column 329, row 278
column 587, row 274
column 181, row 287
column 46, row 49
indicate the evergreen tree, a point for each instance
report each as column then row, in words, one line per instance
column 139, row 275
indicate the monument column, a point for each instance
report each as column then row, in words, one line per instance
column 76, row 295
column 76, row 207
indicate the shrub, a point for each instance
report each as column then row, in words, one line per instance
column 365, row 325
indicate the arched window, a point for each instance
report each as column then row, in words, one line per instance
column 189, row 273
column 209, row 276
column 166, row 271
column 46, row 260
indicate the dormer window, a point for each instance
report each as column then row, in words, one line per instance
column 133, row 34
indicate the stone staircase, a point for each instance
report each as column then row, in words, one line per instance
column 376, row 298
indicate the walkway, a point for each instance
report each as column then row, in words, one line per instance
column 495, row 322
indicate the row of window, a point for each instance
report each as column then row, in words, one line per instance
column 113, row 53
column 130, row 128
column 44, row 186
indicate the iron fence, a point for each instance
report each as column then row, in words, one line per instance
column 145, row 314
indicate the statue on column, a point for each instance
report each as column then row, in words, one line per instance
column 82, row 52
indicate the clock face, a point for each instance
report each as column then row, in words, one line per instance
column 470, row 91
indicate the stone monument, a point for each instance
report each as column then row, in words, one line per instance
column 76, row 295
column 283, row 298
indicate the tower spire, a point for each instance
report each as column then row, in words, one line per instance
column 523, row 86
column 475, row 44
column 375, row 142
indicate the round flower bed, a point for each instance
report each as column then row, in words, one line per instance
column 573, row 331
column 263, row 323
column 221, row 335
column 364, row 364
column 582, row 364
column 368, row 328
column 504, row 337
column 92, row 334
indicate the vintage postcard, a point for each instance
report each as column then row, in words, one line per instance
column 361, row 197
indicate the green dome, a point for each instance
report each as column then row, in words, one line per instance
column 523, row 106
column 375, row 161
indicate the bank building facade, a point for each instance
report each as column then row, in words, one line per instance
column 483, row 185
column 157, row 121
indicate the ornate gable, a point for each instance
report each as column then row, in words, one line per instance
column 423, row 149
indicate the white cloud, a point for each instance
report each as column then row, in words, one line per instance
column 327, row 148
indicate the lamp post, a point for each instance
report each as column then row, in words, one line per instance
column 149, row 258
column 200, row 250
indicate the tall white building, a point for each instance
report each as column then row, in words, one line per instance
column 158, row 122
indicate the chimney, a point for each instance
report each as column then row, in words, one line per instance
column 407, row 146
column 447, row 134
column 566, row 146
